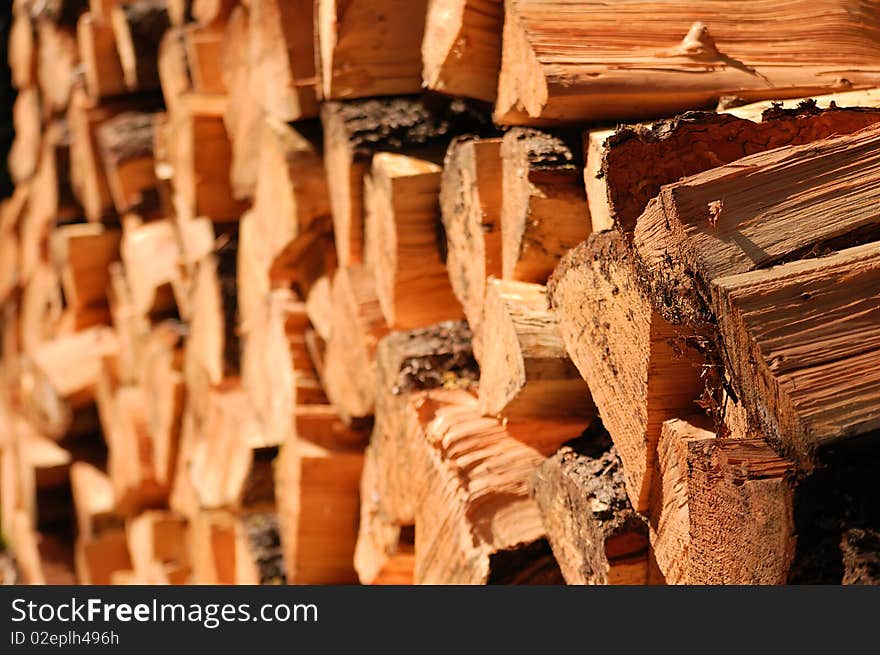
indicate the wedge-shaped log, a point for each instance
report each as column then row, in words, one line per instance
column 756, row 212
column 596, row 536
column 353, row 131
column 470, row 202
column 461, row 50
column 368, row 48
column 544, row 211
column 526, row 371
column 812, row 381
column 402, row 244
column 638, row 368
column 643, row 62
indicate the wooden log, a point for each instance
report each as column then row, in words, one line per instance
column 544, row 212
column 461, row 50
column 629, row 166
column 318, row 510
column 807, row 382
column 22, row 52
column 724, row 509
column 319, row 306
column 282, row 43
column 350, row 366
column 204, row 159
column 151, row 255
column 203, row 54
column 99, row 558
column 82, row 254
column 596, row 536
column 57, row 59
column 470, row 203
column 734, row 219
column 353, row 131
column 639, row 369
column 102, row 66
column 93, row 500
column 25, row 151
column 138, row 28
column 526, row 371
column 403, row 236
column 157, row 541
column 474, row 520
column 236, row 549
column 685, row 58
column 365, row 49
column 173, row 69
column 126, row 145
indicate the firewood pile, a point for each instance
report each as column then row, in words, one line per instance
column 442, row 291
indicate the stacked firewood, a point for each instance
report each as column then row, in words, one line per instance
column 374, row 291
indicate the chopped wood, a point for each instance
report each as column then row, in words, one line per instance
column 544, row 212
column 367, row 48
column 126, row 145
column 138, row 27
column 99, row 58
column 403, row 235
column 526, row 371
column 203, row 48
column 596, row 536
column 639, row 368
column 644, row 63
column 25, row 151
column 57, row 59
column 461, row 50
column 754, row 213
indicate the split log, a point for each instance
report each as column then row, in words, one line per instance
column 401, row 198
column 57, row 60
column 22, row 52
column 318, row 511
column 93, row 500
column 319, row 306
column 282, row 43
column 474, row 520
column 685, row 58
column 526, row 372
column 629, row 166
column 809, row 382
column 368, row 49
column 151, row 255
column 138, row 27
column 203, row 54
column 596, row 536
column 470, row 202
column 25, row 151
column 173, row 69
column 82, row 254
column 102, row 66
column 157, row 541
column 353, row 131
column 126, row 145
column 639, row 368
column 722, row 513
column 754, row 213
column 461, row 50
column 544, row 212
column 99, row 558
column 230, row 549
column 204, row 159
column 350, row 367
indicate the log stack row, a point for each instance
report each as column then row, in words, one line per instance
column 442, row 291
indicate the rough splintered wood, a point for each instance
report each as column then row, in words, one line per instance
column 756, row 212
column 139, row 27
column 526, row 371
column 282, row 44
column 811, row 381
column 596, row 536
column 473, row 513
column 722, row 513
column 544, row 212
column 408, row 364
column 403, row 238
column 350, row 365
column 628, row 167
column 353, row 131
column 461, row 50
column 470, row 203
column 369, row 47
column 126, row 144
column 639, row 369
column 643, row 63
column 99, row 58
